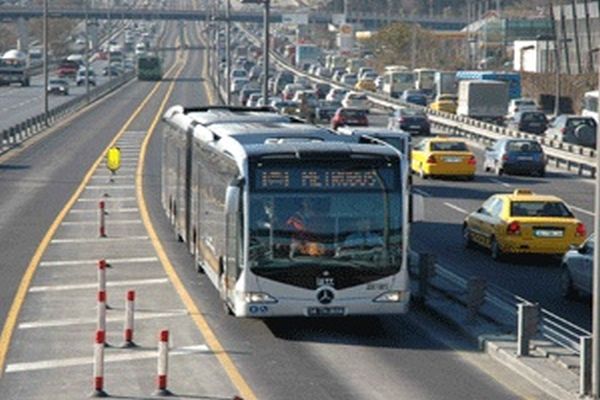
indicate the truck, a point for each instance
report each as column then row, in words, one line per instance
column 14, row 68
column 307, row 54
column 512, row 78
column 483, row 100
column 445, row 82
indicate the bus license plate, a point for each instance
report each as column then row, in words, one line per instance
column 326, row 311
column 548, row 233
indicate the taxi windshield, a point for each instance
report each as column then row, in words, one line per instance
column 539, row 209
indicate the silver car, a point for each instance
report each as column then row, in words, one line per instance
column 577, row 270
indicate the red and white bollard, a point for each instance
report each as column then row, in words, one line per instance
column 102, row 295
column 129, row 318
column 163, row 364
column 99, row 365
column 102, row 218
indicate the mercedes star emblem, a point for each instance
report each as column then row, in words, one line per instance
column 325, row 296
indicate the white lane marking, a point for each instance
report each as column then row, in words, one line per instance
column 109, row 358
column 421, row 192
column 581, row 210
column 111, row 187
column 98, row 240
column 500, row 182
column 132, row 282
column 456, row 208
column 126, row 222
column 129, row 260
column 109, row 210
column 107, row 199
column 82, row 321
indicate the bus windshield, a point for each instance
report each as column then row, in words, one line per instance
column 325, row 217
column 148, row 62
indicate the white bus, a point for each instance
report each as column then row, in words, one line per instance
column 425, row 80
column 286, row 218
column 397, row 79
column 590, row 105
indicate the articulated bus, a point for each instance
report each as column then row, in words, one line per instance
column 149, row 67
column 286, row 218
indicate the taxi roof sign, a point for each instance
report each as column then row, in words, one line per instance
column 523, row 192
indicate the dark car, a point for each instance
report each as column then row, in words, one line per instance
column 410, row 120
column 349, row 117
column 414, row 97
column 573, row 129
column 515, row 156
column 67, row 69
column 326, row 109
column 245, row 93
column 529, row 121
column 322, row 89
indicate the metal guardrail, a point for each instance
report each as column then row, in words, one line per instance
column 499, row 305
column 573, row 158
column 16, row 134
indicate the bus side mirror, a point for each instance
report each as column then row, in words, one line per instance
column 232, row 200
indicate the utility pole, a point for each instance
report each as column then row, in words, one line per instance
column 596, row 277
column 228, row 55
column 266, row 54
column 87, row 53
column 45, row 55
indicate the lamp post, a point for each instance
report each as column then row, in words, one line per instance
column 45, row 39
column 267, row 3
column 596, row 276
column 228, row 51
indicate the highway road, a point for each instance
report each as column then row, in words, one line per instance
column 415, row 356
column 448, row 202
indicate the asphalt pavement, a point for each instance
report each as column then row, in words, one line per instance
column 413, row 356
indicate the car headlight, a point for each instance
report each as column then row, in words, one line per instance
column 259, row 297
column 395, row 296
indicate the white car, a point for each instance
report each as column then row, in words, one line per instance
column 520, row 105
column 239, row 73
column 336, row 94
column 355, row 100
column 238, row 83
column 253, row 99
column 349, row 79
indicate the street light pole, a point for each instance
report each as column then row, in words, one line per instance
column 265, row 91
column 45, row 39
column 596, row 275
column 228, row 55
column 87, row 54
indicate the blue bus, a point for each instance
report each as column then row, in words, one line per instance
column 512, row 78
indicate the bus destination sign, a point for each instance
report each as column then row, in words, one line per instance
column 323, row 179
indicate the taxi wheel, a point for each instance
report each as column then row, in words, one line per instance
column 497, row 253
column 466, row 238
column 567, row 290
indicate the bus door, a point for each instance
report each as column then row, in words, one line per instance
column 233, row 240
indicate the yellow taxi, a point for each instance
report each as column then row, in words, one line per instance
column 366, row 84
column 443, row 157
column 523, row 222
column 445, row 103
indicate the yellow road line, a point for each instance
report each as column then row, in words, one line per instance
column 19, row 299
column 211, row 339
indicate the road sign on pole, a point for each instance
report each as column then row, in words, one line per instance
column 294, row 19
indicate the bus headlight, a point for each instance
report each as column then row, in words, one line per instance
column 392, row 297
column 259, row 297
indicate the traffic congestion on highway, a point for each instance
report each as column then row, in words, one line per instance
column 287, row 246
